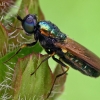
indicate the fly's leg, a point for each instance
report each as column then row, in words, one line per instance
column 23, row 46
column 43, row 61
column 62, row 64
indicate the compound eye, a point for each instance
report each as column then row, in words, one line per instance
column 30, row 20
column 29, row 24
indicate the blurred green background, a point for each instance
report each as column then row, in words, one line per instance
column 80, row 20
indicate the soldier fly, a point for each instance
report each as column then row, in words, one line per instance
column 57, row 43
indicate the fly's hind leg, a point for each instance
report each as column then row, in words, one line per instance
column 59, row 75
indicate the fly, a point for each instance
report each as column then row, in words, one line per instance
column 56, row 42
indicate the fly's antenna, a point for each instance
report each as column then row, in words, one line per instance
column 19, row 18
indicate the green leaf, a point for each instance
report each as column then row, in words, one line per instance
column 35, row 86
column 3, row 40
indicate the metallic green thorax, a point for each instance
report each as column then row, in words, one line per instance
column 52, row 29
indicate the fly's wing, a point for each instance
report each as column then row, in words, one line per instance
column 81, row 52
